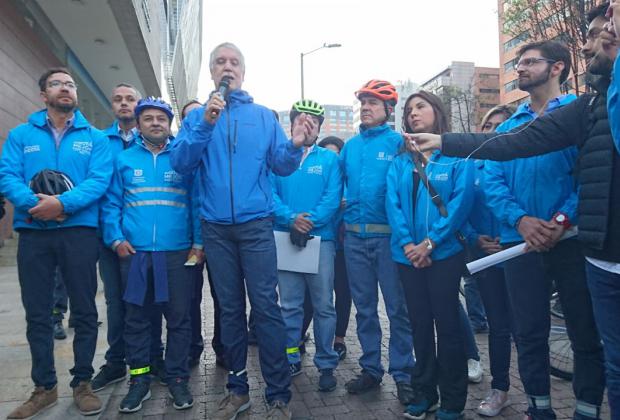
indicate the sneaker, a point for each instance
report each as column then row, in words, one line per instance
column 231, row 405
column 363, row 383
column 139, row 391
column 295, row 368
column 278, row 410
column 449, row 415
column 327, row 380
column 59, row 331
column 341, row 349
column 181, row 397
column 474, row 371
column 40, row 399
column 418, row 409
column 108, row 374
column 404, row 392
column 85, row 399
column 493, row 404
column 158, row 370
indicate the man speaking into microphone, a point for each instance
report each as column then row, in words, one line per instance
column 234, row 144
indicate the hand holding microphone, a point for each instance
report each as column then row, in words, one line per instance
column 217, row 102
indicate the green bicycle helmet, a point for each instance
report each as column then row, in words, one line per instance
column 307, row 106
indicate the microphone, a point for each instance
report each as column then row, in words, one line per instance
column 222, row 89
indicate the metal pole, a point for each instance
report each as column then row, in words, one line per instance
column 302, row 75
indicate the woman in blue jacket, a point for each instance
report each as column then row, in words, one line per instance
column 430, row 260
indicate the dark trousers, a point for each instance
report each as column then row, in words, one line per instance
column 110, row 272
column 492, row 287
column 528, row 279
column 432, row 296
column 61, row 299
column 343, row 295
column 197, row 345
column 139, row 319
column 605, row 290
column 235, row 253
column 74, row 250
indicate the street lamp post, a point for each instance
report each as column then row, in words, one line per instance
column 301, row 56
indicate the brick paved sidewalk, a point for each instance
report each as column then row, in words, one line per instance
column 207, row 382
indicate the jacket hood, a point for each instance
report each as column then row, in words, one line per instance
column 239, row 96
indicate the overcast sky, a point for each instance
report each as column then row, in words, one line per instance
column 383, row 39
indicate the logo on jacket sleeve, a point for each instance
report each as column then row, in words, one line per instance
column 31, row 149
column 82, row 147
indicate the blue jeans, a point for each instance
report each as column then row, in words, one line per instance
column 235, row 253
column 113, row 290
column 292, row 288
column 528, row 278
column 605, row 292
column 139, row 323
column 369, row 263
column 39, row 252
column 475, row 308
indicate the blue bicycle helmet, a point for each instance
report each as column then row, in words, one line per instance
column 156, row 103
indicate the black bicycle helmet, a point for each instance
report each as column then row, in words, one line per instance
column 50, row 182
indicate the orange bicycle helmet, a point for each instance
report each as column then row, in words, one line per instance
column 379, row 89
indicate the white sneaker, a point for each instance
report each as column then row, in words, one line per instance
column 494, row 403
column 474, row 371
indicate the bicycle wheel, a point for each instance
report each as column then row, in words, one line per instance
column 560, row 353
column 555, row 306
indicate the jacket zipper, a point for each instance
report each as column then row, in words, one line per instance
column 230, row 167
column 154, row 221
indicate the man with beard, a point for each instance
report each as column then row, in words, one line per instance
column 124, row 99
column 582, row 123
column 57, row 231
column 513, row 190
column 151, row 223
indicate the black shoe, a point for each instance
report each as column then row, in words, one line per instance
column 363, row 383
column 405, row 393
column 341, row 349
column 181, row 397
column 59, row 331
column 139, row 391
column 295, row 368
column 158, row 370
column 108, row 374
column 327, row 380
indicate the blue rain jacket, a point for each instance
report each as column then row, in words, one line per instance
column 365, row 160
column 83, row 155
column 116, row 141
column 315, row 188
column 149, row 204
column 481, row 221
column 453, row 179
column 538, row 186
column 234, row 158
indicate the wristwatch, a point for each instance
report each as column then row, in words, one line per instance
column 562, row 219
column 429, row 244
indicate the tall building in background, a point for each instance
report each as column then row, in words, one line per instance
column 153, row 44
column 338, row 122
column 468, row 92
column 508, row 47
column 404, row 89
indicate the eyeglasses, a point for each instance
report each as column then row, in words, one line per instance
column 57, row 83
column 529, row 62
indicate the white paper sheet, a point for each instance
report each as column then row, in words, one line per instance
column 293, row 258
column 507, row 254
